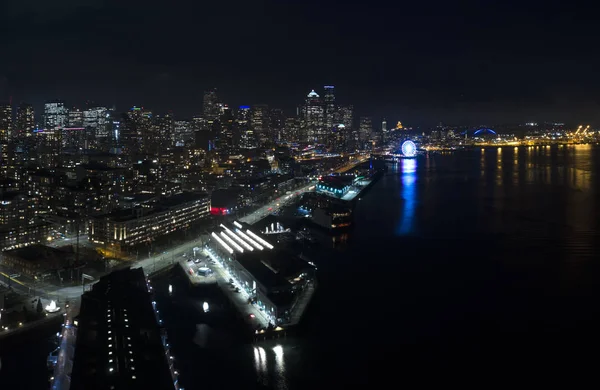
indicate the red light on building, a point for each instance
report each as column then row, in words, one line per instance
column 219, row 211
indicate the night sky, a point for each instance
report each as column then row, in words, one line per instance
column 421, row 62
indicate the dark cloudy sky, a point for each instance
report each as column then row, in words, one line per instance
column 421, row 61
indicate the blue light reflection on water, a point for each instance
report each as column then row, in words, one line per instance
column 408, row 169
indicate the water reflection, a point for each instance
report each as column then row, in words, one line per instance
column 409, row 196
column 260, row 364
column 280, row 367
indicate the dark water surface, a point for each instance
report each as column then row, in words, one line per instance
column 475, row 267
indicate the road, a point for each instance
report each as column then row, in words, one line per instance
column 61, row 379
column 352, row 164
column 276, row 204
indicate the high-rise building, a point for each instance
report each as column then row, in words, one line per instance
column 259, row 121
column 346, row 118
column 24, row 121
column 291, row 131
column 135, row 131
column 97, row 124
column 163, row 129
column 55, row 115
column 211, row 105
column 384, row 130
column 276, row 124
column 244, row 129
column 75, row 118
column 330, row 109
column 312, row 119
column 5, row 121
column 182, row 133
column 365, row 129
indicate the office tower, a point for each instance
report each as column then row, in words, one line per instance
column 75, row 118
column 224, row 127
column 312, row 118
column 199, row 124
column 211, row 105
column 135, row 132
column 345, row 117
column 384, row 130
column 49, row 147
column 276, row 124
column 259, row 121
column 24, row 121
column 329, row 101
column 5, row 121
column 163, row 129
column 364, row 130
column 55, row 115
column 96, row 122
column 291, row 132
column 244, row 128
column 182, row 133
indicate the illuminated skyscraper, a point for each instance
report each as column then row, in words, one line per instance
column 276, row 124
column 292, row 129
column 211, row 105
column 365, row 129
column 182, row 133
column 259, row 121
column 329, row 100
column 24, row 121
column 5, row 121
column 313, row 119
column 97, row 124
column 55, row 115
column 75, row 118
column 346, row 118
column 243, row 128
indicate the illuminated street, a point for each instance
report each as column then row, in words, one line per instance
column 276, row 204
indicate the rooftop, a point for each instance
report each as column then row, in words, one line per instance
column 38, row 253
column 272, row 266
column 119, row 343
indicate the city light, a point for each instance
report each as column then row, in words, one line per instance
column 259, row 239
column 251, row 241
column 52, row 308
column 230, row 241
column 409, row 149
column 227, row 248
column 236, row 238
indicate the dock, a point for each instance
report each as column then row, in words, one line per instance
column 254, row 317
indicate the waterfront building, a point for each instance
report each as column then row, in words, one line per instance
column 125, row 228
column 275, row 279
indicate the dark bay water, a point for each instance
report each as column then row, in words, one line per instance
column 468, row 268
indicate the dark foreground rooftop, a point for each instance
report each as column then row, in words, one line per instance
column 119, row 343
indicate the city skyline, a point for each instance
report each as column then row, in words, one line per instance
column 449, row 63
